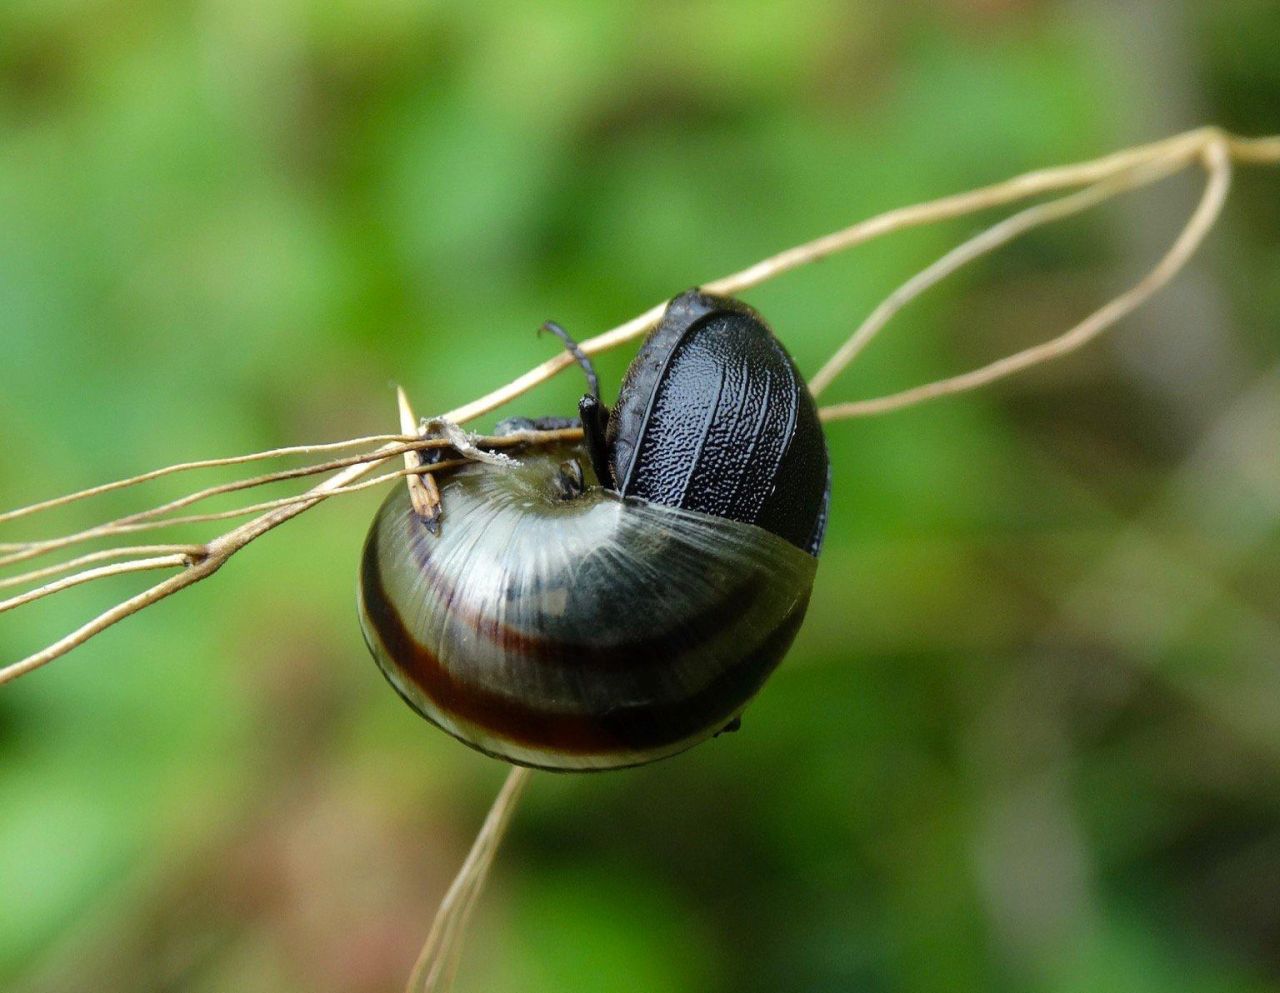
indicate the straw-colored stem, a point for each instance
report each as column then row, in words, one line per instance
column 88, row 575
column 128, row 551
column 982, row 244
column 438, row 961
column 23, row 550
column 146, row 520
column 1184, row 146
column 119, row 484
column 1193, row 234
column 424, row 495
column 219, row 550
column 256, row 508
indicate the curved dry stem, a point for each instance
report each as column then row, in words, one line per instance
column 1253, row 151
column 438, row 961
column 1218, row 165
column 1184, row 146
column 220, row 549
column 988, row 241
column 20, row 551
column 424, row 495
column 146, row 477
column 128, row 551
column 147, row 520
column 155, row 594
column 88, row 575
column 118, row 528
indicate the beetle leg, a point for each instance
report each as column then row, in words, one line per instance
column 595, row 417
column 731, row 727
column 579, row 356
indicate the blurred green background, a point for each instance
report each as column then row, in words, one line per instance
column 1029, row 738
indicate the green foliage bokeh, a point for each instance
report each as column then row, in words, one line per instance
column 1029, row 737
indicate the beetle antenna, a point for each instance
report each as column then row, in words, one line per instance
column 591, row 410
column 579, row 356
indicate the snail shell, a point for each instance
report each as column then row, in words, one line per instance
column 569, row 628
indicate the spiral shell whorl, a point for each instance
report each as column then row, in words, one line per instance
column 583, row 633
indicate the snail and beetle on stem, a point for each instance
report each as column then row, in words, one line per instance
column 611, row 602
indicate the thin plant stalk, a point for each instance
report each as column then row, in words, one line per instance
column 194, row 551
column 88, row 575
column 1206, row 214
column 988, row 241
column 150, row 518
column 28, row 549
column 146, row 477
column 186, row 556
column 438, row 961
column 1183, row 148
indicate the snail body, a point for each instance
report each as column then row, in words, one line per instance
column 614, row 602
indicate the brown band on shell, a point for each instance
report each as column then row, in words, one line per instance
column 621, row 730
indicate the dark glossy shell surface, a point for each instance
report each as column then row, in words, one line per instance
column 585, row 633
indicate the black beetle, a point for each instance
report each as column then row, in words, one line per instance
column 713, row 416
